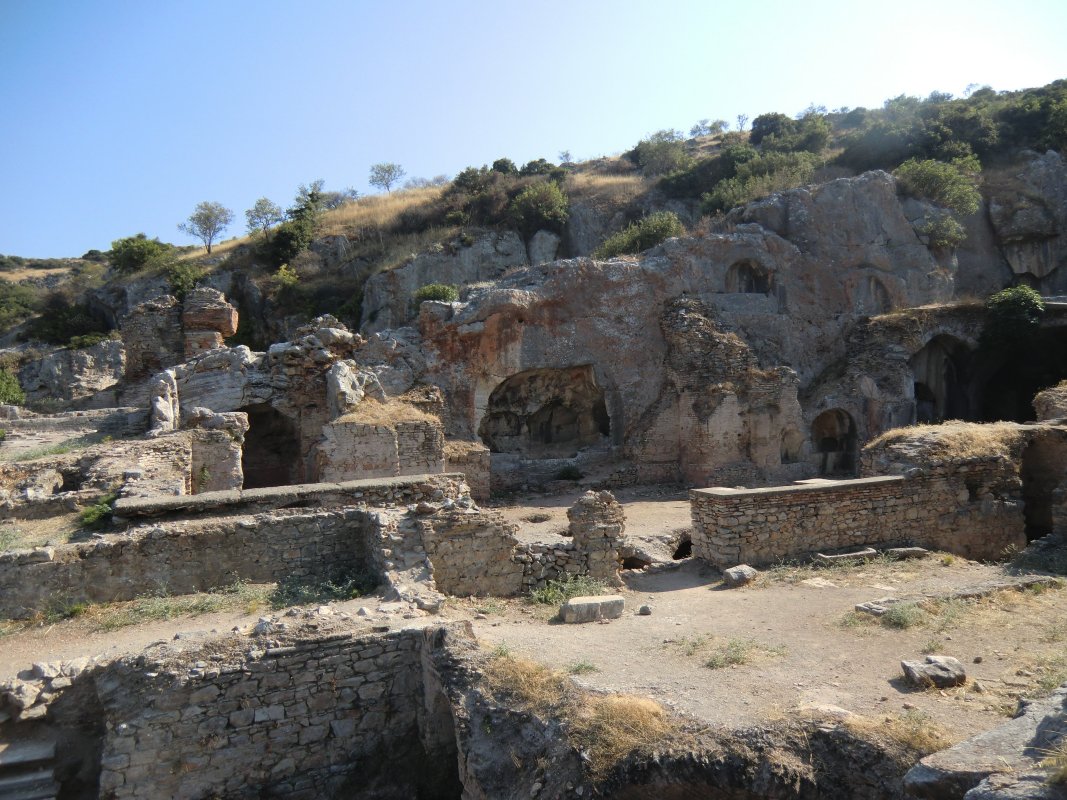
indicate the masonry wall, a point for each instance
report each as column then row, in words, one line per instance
column 965, row 510
column 334, row 716
column 181, row 558
column 351, row 449
column 473, row 553
column 473, row 460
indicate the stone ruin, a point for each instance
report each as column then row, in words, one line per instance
column 765, row 359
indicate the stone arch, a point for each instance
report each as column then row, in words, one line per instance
column 747, row 277
column 271, row 454
column 941, row 377
column 546, row 413
column 870, row 296
column 833, row 433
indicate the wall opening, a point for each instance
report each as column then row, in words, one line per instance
column 546, row 413
column 792, row 442
column 683, row 550
column 747, row 277
column 834, row 434
column 271, row 454
column 942, row 381
column 1043, row 471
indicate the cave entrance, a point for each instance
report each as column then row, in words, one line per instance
column 1043, row 470
column 271, row 454
column 870, row 297
column 747, row 277
column 941, row 371
column 546, row 413
column 834, row 435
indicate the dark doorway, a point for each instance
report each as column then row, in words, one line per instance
column 271, row 455
column 834, row 435
column 747, row 277
column 943, row 385
column 1043, row 470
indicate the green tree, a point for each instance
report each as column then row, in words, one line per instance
column 263, row 216
column 384, row 175
column 1012, row 316
column 135, row 252
column 207, row 221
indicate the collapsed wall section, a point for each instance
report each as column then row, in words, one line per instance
column 964, row 511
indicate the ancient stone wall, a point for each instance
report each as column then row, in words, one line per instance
column 306, row 713
column 350, row 448
column 472, row 553
column 962, row 510
column 181, row 558
column 473, row 460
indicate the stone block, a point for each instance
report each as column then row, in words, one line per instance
column 739, row 575
column 591, row 609
column 942, row 672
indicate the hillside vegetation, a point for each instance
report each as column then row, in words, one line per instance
column 315, row 257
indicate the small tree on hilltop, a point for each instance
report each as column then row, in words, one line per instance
column 385, row 175
column 263, row 216
column 207, row 221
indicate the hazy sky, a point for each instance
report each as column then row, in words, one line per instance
column 118, row 117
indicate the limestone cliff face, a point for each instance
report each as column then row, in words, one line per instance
column 785, row 278
column 387, row 296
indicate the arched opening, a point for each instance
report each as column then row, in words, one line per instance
column 271, row 454
column 834, row 435
column 792, row 442
column 546, row 413
column 870, row 297
column 747, row 277
column 1043, row 470
column 942, row 381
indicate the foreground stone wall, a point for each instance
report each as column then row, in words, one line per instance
column 181, row 558
column 964, row 511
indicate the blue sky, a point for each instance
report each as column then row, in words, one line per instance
column 119, row 116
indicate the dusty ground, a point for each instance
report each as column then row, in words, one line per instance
column 800, row 645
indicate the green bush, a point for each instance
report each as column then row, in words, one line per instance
column 10, row 391
column 641, row 235
column 559, row 591
column 944, row 231
column 183, row 276
column 98, row 515
column 62, row 320
column 759, row 177
column 661, row 153
column 87, row 340
column 17, row 304
column 953, row 185
column 441, row 292
column 135, row 253
column 1012, row 316
column 540, row 205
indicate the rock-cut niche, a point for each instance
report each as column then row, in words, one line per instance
column 747, row 277
column 546, row 413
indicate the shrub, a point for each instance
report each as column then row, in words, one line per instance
column 953, row 185
column 134, row 253
column 556, row 592
column 944, row 231
column 62, row 320
column 505, row 166
column 641, row 235
column 98, row 515
column 660, row 153
column 10, row 391
column 540, row 205
column 759, row 177
column 539, row 166
column 183, row 276
column 441, row 292
column 1012, row 315
column 88, row 340
column 17, row 303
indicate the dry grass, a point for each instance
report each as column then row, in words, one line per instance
column 607, row 728
column 373, row 213
column 914, row 730
column 605, row 191
column 375, row 412
column 15, row 275
column 1055, row 761
column 955, row 441
column 29, row 533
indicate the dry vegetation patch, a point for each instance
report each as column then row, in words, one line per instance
column 955, row 441
column 914, row 730
column 367, row 215
column 375, row 412
column 607, row 728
